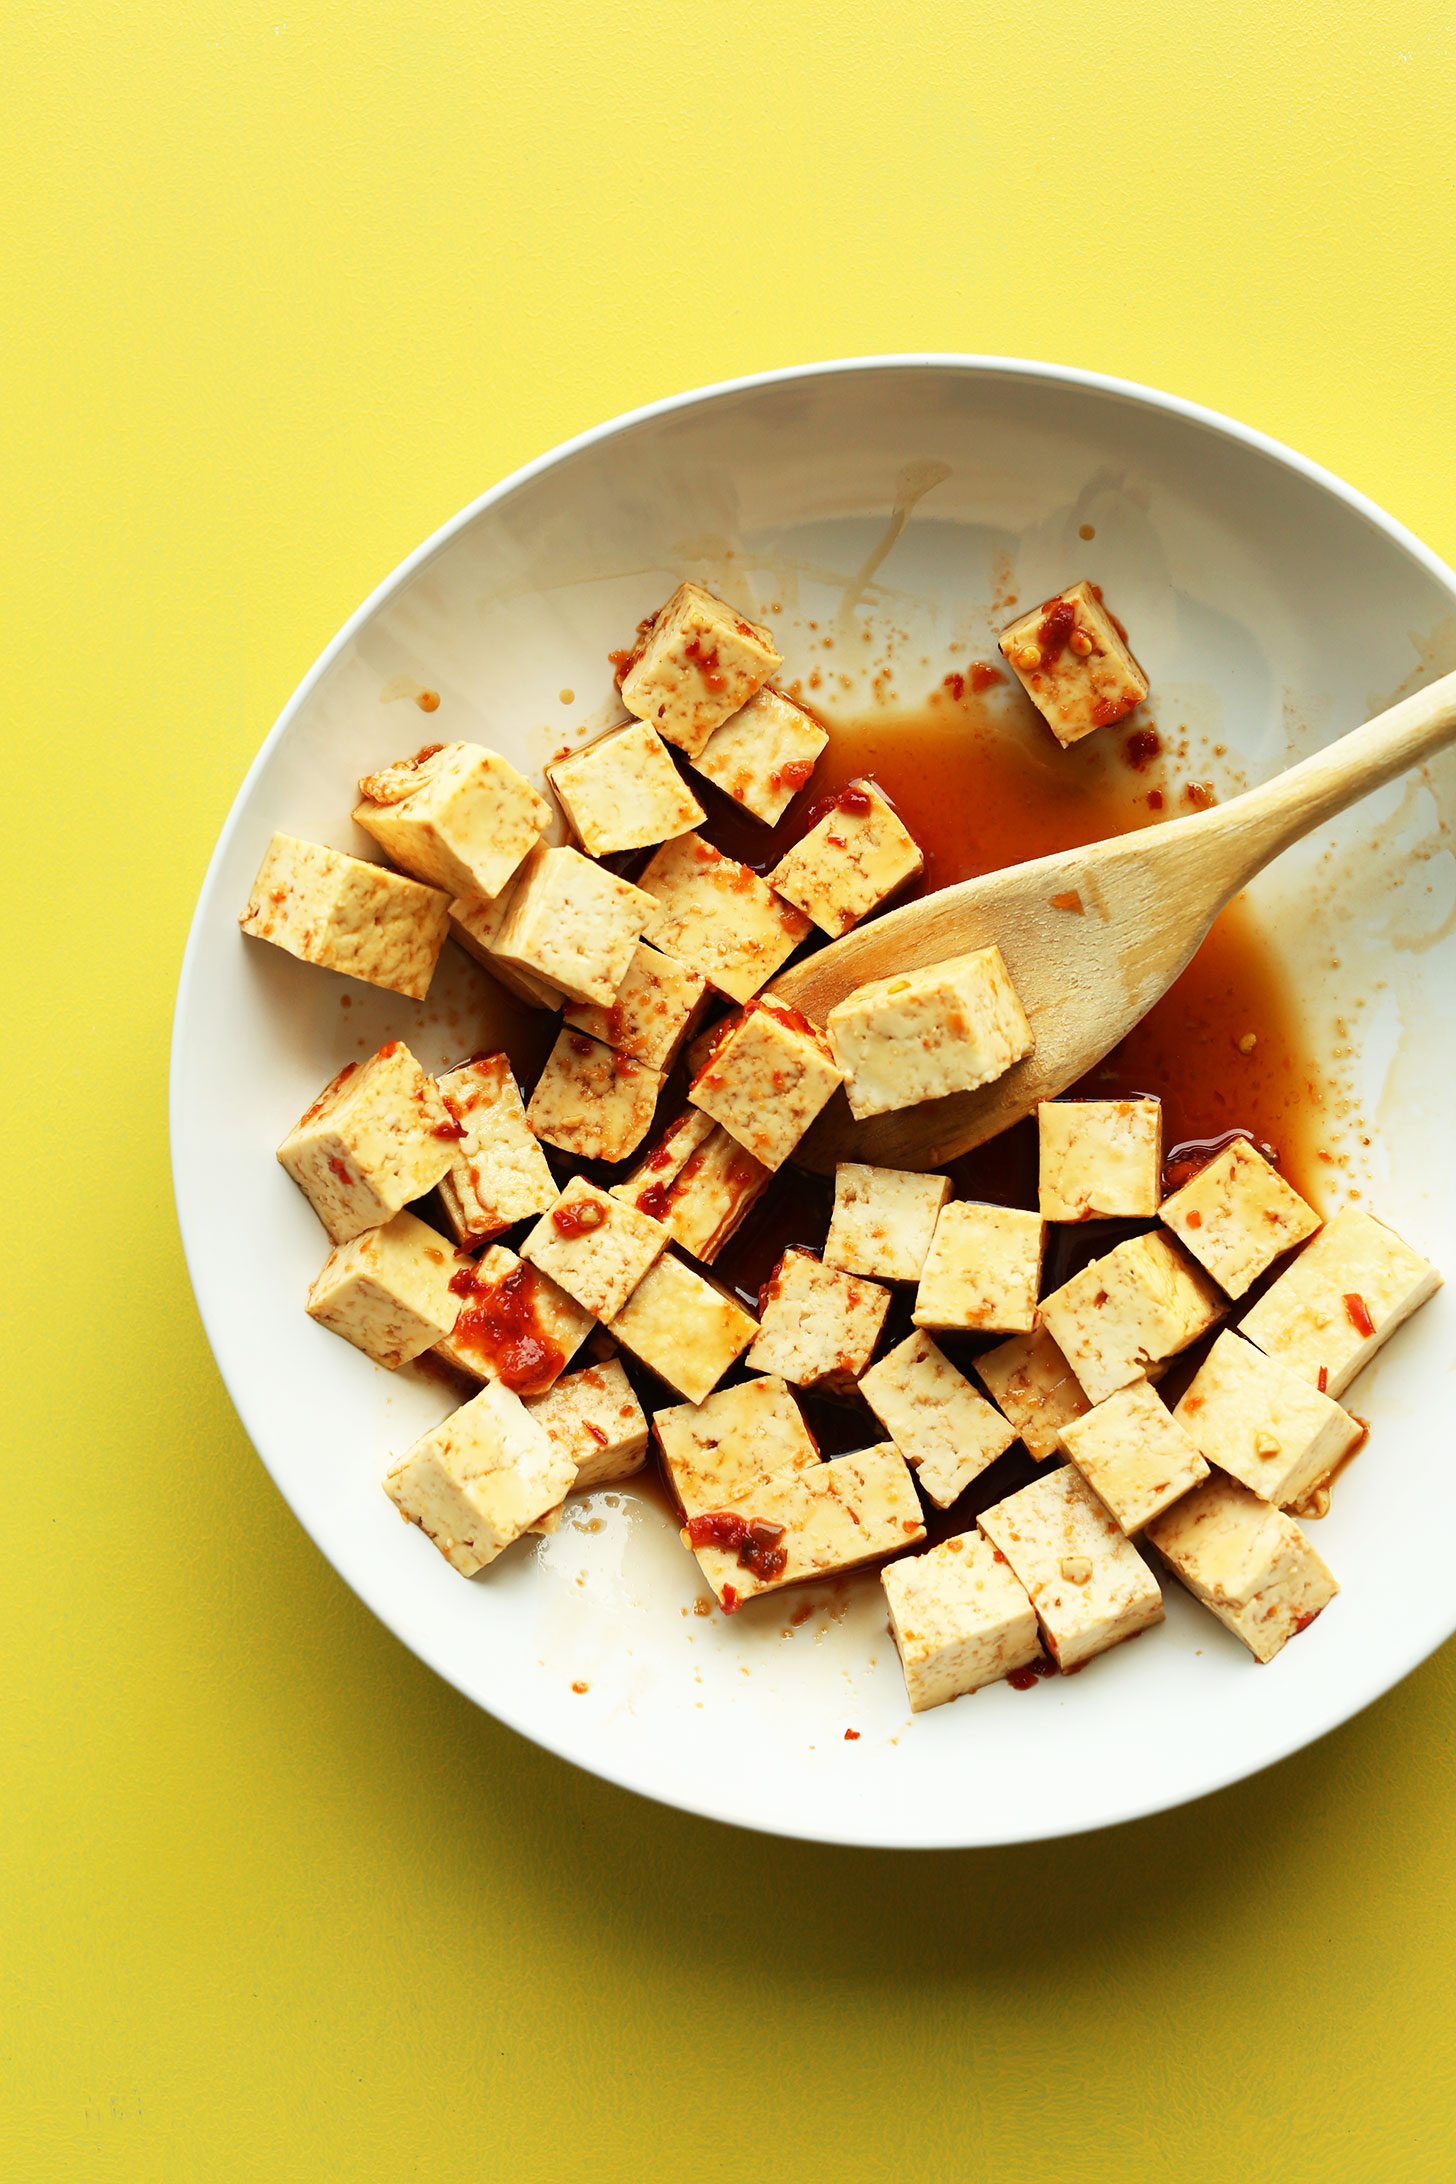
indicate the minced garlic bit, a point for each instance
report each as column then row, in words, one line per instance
column 1076, row 1569
column 1248, row 1043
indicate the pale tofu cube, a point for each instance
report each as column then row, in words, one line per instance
column 1088, row 1584
column 819, row 1328
column 388, row 1291
column 376, row 1138
column 959, row 1620
column 795, row 1526
column 457, row 816
column 851, row 862
column 700, row 662
column 1033, row 1385
column 475, row 924
column 719, row 918
column 515, row 1325
column 480, row 1479
column 683, row 1328
column 983, row 1269
column 1250, row 1563
column 594, row 1247
column 1134, row 1455
column 498, row 1174
column 594, row 1418
column 767, row 1080
column 592, row 1101
column 883, row 1221
column 1262, row 1424
column 715, row 1450
column 945, row 1028
column 1237, row 1215
column 698, row 1182
column 945, row 1431
column 1346, row 1293
column 573, row 924
column 652, row 1012
column 1100, row 1159
column 624, row 792
column 348, row 916
column 763, row 755
column 1071, row 657
column 1141, row 1303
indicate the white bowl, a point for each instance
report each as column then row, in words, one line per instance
column 1274, row 608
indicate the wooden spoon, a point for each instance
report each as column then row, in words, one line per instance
column 1092, row 937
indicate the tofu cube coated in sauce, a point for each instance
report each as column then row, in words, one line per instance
column 959, row 1619
column 456, row 816
column 481, row 1479
column 573, row 924
column 719, row 918
column 1135, row 1456
column 716, row 1449
column 624, row 792
column 698, row 1182
column 1088, row 1584
column 376, row 1138
column 763, row 754
column 1071, row 657
column 498, row 1174
column 596, row 1248
column 1347, row 1292
column 883, row 1221
column 345, row 915
column 947, row 1027
column 683, row 1328
column 1248, row 1562
column 796, row 1525
column 982, row 1272
column 515, row 1324
column 1034, row 1387
column 698, row 663
column 1263, row 1424
column 593, row 1101
column 388, row 1291
column 767, row 1079
column 1237, row 1216
column 475, row 926
column 851, row 862
column 943, row 1428
column 1140, row 1304
column 818, row 1328
column 1100, row 1159
column 652, row 1012
column 593, row 1418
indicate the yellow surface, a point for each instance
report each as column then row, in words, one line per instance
column 283, row 289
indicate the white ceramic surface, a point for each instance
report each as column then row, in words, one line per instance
column 1273, row 608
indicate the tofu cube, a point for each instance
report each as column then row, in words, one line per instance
column 883, row 1221
column 1134, row 1455
column 594, row 1247
column 983, row 1269
column 1034, row 1387
column 767, row 1080
column 719, row 918
column 959, row 1620
column 573, row 924
column 794, row 1526
column 1071, row 657
column 1250, row 1563
column 698, row 1182
column 348, row 916
column 1141, row 1303
column 1346, row 1293
column 592, row 1101
column 376, row 1138
column 388, row 1291
column 945, row 1431
column 683, row 1328
column 475, row 925
column 1237, row 1215
column 516, row 1326
column 945, row 1028
column 480, row 1479
column 593, row 1418
column 1100, row 1159
column 624, row 792
column 763, row 754
column 715, row 1450
column 818, row 1328
column 1088, row 1584
column 498, row 1174
column 851, row 862
column 1262, row 1424
column 456, row 816
column 700, row 662
column 652, row 1012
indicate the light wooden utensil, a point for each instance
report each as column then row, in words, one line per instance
column 1092, row 937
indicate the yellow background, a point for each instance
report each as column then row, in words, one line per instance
column 284, row 287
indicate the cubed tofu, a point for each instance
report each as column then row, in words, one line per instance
column 1248, row 1562
column 767, row 1080
column 819, row 1328
column 624, row 792
column 1262, row 1424
column 652, row 1013
column 715, row 1450
column 698, row 1182
column 594, row 1418
column 683, row 1328
column 883, row 1221
column 701, row 661
column 959, row 1619
column 498, row 1174
column 1134, row 1455
column 1100, row 1159
column 796, row 1526
column 515, row 1325
column 1072, row 659
column 456, row 816
column 983, row 1269
column 348, row 916
column 945, row 1431
column 1346, row 1293
column 763, row 755
column 1088, row 1584
column 851, row 862
column 594, row 1247
column 1141, row 1303
column 376, row 1138
column 480, row 1479
column 573, row 924
column 593, row 1101
column 475, row 925
column 945, row 1028
column 719, row 918
column 388, row 1291
column 1237, row 1215
column 1033, row 1385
